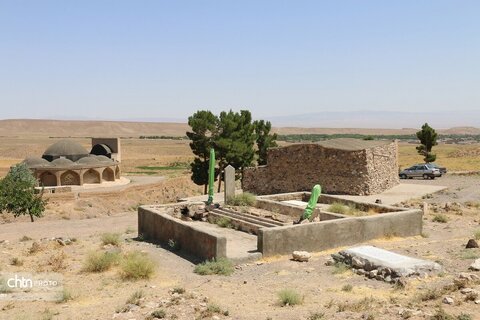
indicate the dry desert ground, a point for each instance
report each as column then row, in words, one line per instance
column 78, row 227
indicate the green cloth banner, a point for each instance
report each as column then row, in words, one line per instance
column 211, row 176
column 312, row 203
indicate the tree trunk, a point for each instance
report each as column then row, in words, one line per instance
column 205, row 186
column 31, row 217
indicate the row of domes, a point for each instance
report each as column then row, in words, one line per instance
column 89, row 160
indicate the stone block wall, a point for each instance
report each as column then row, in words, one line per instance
column 299, row 167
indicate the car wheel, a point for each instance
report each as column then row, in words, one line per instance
column 403, row 176
column 425, row 176
column 432, row 177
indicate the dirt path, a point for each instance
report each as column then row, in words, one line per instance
column 68, row 228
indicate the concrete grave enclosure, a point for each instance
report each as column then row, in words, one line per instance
column 331, row 231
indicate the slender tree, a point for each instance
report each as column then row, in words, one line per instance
column 428, row 139
column 204, row 127
column 17, row 193
column 264, row 139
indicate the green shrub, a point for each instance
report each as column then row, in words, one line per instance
column 464, row 316
column 477, row 234
column 440, row 218
column 136, row 265
column 337, row 207
column 440, row 314
column 100, row 261
column 347, row 288
column 340, row 267
column 316, row 316
column 224, row 222
column 64, row 296
column 111, row 238
column 136, row 298
column 221, row 266
column 289, row 297
column 16, row 262
column 157, row 314
column 243, row 199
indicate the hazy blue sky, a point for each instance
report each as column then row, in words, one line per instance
column 166, row 59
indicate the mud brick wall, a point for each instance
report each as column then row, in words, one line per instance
column 299, row 167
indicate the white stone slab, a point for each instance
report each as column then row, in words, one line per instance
column 403, row 265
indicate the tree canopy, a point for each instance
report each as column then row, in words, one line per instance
column 428, row 139
column 17, row 193
column 233, row 136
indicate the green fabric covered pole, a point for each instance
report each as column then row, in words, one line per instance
column 312, row 203
column 211, row 176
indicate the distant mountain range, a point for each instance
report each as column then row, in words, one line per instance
column 380, row 119
column 83, row 128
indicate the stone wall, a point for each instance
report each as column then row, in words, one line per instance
column 299, row 167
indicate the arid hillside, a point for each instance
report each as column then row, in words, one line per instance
column 69, row 128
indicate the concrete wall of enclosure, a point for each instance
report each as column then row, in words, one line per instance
column 334, row 230
column 340, row 166
column 156, row 225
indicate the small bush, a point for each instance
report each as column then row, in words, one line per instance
column 25, row 238
column 289, row 297
column 316, row 316
column 111, row 238
column 464, row 316
column 178, row 290
column 157, row 314
column 471, row 296
column 468, row 254
column 340, row 267
column 136, row 265
column 100, row 261
column 16, row 262
column 36, row 247
column 430, row 294
column 64, row 296
column 220, row 266
column 440, row 314
column 224, row 222
column 337, row 207
column 440, row 218
column 244, row 199
column 477, row 235
column 347, row 288
column 136, row 298
column 365, row 304
column 57, row 261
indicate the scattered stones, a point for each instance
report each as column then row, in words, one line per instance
column 475, row 266
column 302, row 256
column 466, row 290
column 471, row 244
column 448, row 300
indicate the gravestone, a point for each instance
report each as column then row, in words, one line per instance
column 229, row 177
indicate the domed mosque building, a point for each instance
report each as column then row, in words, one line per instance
column 68, row 163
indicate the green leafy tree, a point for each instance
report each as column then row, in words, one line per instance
column 264, row 139
column 17, row 193
column 235, row 140
column 204, row 127
column 428, row 139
